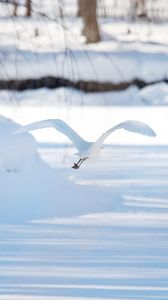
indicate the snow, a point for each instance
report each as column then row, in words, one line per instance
column 16, row 152
column 115, row 66
column 156, row 94
column 119, row 57
column 152, row 95
column 83, row 262
column 67, row 96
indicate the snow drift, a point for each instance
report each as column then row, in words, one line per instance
column 16, row 152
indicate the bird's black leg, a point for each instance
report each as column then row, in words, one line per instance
column 78, row 164
column 82, row 161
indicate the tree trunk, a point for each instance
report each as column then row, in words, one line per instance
column 80, row 7
column 87, row 10
column 28, row 8
column 15, row 6
column 138, row 9
column 142, row 9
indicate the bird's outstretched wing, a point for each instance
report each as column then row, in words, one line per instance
column 131, row 125
column 59, row 125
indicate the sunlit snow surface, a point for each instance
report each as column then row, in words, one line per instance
column 83, row 262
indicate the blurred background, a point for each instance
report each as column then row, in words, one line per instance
column 85, row 60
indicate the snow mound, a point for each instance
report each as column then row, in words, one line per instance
column 16, row 151
column 155, row 94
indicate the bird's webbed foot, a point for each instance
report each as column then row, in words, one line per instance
column 75, row 166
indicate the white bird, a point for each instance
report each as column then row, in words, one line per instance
column 88, row 149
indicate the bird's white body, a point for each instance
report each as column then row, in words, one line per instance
column 88, row 149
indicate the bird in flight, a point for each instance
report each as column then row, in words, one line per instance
column 87, row 149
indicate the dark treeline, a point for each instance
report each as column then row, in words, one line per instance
column 56, row 82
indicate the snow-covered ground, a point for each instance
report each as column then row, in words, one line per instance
column 127, row 50
column 67, row 262
column 152, row 95
column 115, row 61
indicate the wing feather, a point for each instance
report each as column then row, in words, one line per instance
column 130, row 125
column 59, row 125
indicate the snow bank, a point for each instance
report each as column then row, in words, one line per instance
column 156, row 94
column 114, row 66
column 67, row 97
column 16, row 151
